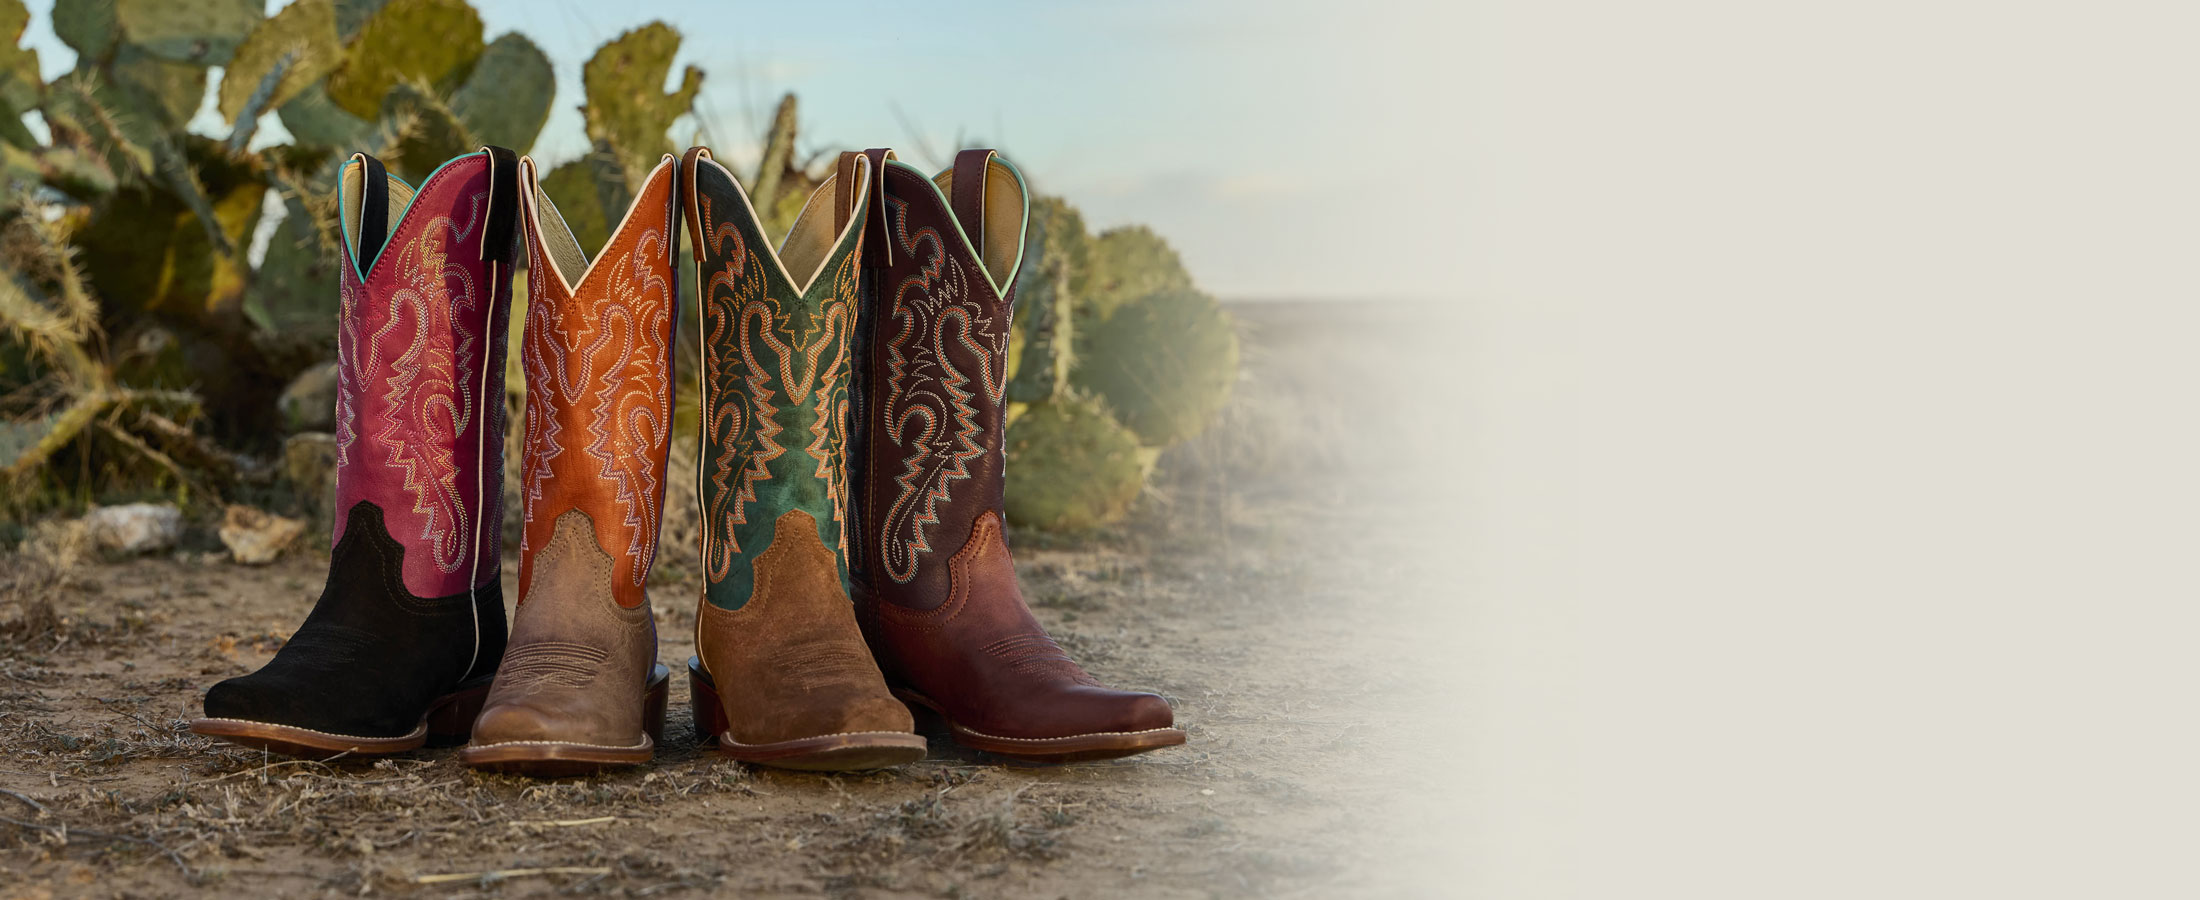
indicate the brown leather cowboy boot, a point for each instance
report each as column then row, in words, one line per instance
column 781, row 676
column 936, row 589
column 580, row 688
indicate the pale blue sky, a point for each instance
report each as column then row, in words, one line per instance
column 1258, row 138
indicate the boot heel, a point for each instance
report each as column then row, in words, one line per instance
column 451, row 719
column 653, row 703
column 710, row 715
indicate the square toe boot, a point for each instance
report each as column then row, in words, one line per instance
column 580, row 688
column 781, row 676
column 400, row 647
column 936, row 587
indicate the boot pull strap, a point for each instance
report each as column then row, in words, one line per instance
column 844, row 194
column 689, row 199
column 969, row 199
column 374, row 212
column 672, row 229
column 877, row 230
column 500, row 237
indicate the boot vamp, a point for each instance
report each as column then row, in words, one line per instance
column 985, row 661
column 370, row 658
column 579, row 663
column 791, row 662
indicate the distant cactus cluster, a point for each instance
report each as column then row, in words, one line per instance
column 1115, row 357
column 134, row 318
column 145, row 345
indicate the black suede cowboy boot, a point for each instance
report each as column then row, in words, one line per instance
column 409, row 629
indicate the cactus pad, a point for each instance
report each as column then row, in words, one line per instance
column 305, row 33
column 573, row 188
column 1039, row 347
column 20, row 84
column 1070, row 466
column 1125, row 264
column 627, row 106
column 430, row 41
column 314, row 119
column 168, row 91
column 507, row 98
column 428, row 134
column 149, row 251
column 200, row 32
column 87, row 26
column 1165, row 363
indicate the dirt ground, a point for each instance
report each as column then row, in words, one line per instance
column 1266, row 587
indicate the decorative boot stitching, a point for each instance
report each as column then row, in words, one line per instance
column 1037, row 654
column 812, row 667
column 552, row 664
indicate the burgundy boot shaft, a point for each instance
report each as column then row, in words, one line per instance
column 937, row 588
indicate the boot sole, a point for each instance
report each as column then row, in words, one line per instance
column 853, row 751
column 449, row 720
column 561, row 759
column 1052, row 751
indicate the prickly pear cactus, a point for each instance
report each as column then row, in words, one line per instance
column 573, row 188
column 431, row 42
column 1125, row 264
column 627, row 106
column 1039, row 346
column 1070, row 465
column 428, row 133
column 20, row 84
column 87, row 26
column 1164, row 363
column 301, row 40
column 507, row 98
column 200, row 32
column 147, row 251
column 352, row 15
column 312, row 118
column 166, row 92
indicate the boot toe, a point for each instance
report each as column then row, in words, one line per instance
column 506, row 723
column 1106, row 710
column 883, row 713
column 243, row 697
column 1147, row 712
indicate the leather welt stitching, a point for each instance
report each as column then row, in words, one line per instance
column 1067, row 737
column 644, row 745
column 420, row 730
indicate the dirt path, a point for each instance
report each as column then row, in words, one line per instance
column 1287, row 649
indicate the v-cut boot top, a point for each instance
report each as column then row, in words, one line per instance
column 599, row 363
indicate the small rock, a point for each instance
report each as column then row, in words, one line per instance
column 309, row 402
column 255, row 537
column 134, row 527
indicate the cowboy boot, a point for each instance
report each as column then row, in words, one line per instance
column 781, row 676
column 410, row 625
column 580, row 688
column 935, row 586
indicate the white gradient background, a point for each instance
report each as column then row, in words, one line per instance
column 1837, row 485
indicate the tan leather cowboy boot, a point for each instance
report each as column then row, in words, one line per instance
column 580, row 688
column 935, row 585
column 781, row 676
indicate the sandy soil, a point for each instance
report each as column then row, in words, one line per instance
column 1258, row 588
